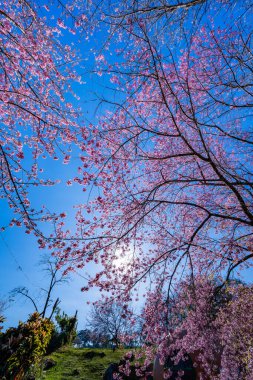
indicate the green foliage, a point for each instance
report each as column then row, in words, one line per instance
column 67, row 326
column 65, row 333
column 24, row 346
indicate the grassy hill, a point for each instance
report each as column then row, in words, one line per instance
column 72, row 363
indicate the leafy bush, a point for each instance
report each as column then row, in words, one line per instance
column 65, row 333
column 22, row 348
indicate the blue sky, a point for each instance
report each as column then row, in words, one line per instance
column 20, row 256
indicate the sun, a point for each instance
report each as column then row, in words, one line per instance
column 122, row 257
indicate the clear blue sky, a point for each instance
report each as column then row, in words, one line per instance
column 20, row 255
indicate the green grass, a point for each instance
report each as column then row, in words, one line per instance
column 69, row 359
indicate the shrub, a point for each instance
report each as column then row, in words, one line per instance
column 22, row 348
column 64, row 333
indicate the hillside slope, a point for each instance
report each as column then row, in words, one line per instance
column 73, row 363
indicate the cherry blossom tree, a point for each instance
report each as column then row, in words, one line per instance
column 171, row 160
column 36, row 120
